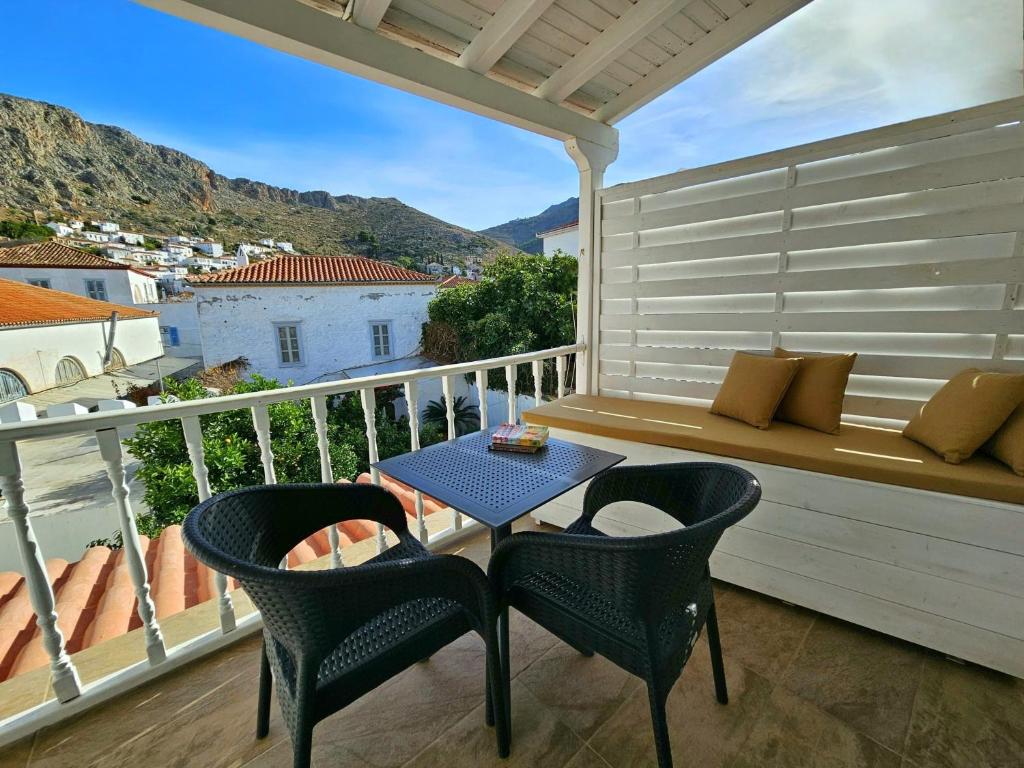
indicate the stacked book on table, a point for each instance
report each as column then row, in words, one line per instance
column 519, row 438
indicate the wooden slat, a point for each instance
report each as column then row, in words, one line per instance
column 951, row 273
column 1001, row 218
column 959, row 321
column 944, row 174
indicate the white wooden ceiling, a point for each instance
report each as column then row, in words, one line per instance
column 540, row 64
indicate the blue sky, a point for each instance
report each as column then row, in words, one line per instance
column 834, row 67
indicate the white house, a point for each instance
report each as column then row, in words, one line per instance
column 308, row 318
column 268, row 242
column 132, row 238
column 63, row 268
column 76, row 225
column 49, row 338
column 433, row 268
column 109, row 227
column 565, row 238
column 178, row 250
column 210, row 248
column 94, row 237
column 283, row 245
column 60, row 229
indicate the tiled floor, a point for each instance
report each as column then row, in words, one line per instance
column 805, row 690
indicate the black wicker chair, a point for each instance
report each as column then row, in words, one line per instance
column 639, row 601
column 331, row 636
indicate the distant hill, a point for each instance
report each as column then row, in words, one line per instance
column 522, row 233
column 54, row 162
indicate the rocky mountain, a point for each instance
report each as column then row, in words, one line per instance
column 522, row 233
column 55, row 163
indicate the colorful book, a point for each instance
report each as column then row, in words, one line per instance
column 519, row 436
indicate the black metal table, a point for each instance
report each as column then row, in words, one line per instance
column 495, row 488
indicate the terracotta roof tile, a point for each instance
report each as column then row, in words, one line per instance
column 313, row 269
column 23, row 304
column 53, row 254
column 451, row 282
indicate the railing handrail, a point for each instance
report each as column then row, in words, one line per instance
column 91, row 422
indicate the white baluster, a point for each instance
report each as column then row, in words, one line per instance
column 112, row 454
column 319, row 405
column 261, row 421
column 194, row 444
column 449, row 409
column 510, row 380
column 64, row 676
column 560, row 372
column 412, row 402
column 538, row 378
column 481, row 390
column 370, row 416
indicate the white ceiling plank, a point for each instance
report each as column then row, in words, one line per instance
column 368, row 13
column 631, row 27
column 300, row 30
column 746, row 24
column 499, row 34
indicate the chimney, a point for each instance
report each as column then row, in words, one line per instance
column 241, row 256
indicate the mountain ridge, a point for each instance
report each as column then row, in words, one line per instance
column 522, row 233
column 55, row 162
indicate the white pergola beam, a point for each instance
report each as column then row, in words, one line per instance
column 499, row 34
column 368, row 13
column 298, row 29
column 748, row 23
column 618, row 37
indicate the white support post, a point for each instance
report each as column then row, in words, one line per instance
column 318, row 404
column 412, row 403
column 560, row 373
column 261, row 422
column 194, row 444
column 481, row 391
column 591, row 161
column 449, row 409
column 64, row 676
column 538, row 378
column 511, row 371
column 112, row 453
column 369, row 402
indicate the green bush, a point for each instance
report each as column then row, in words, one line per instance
column 23, row 230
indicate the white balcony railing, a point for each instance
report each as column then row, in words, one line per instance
column 71, row 695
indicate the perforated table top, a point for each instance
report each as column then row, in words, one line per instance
column 493, row 487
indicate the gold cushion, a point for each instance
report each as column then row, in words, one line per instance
column 1007, row 445
column 815, row 398
column 966, row 412
column 754, row 386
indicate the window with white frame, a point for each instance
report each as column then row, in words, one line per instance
column 381, row 339
column 39, row 282
column 289, row 343
column 96, row 289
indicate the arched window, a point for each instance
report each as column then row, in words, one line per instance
column 116, row 361
column 11, row 386
column 69, row 371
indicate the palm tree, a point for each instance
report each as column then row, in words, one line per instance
column 467, row 417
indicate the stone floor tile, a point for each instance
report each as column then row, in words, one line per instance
column 583, row 691
column 702, row 731
column 16, row 755
column 761, row 633
column 587, row 758
column 792, row 732
column 865, row 679
column 966, row 716
column 539, row 739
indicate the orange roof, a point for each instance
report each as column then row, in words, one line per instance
column 95, row 600
column 53, row 254
column 23, row 304
column 450, row 282
column 289, row 268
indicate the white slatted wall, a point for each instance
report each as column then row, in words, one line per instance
column 903, row 244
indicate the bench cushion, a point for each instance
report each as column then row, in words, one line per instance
column 864, row 453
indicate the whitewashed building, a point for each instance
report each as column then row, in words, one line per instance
column 94, row 237
column 307, row 318
column 132, row 238
column 109, row 227
column 63, row 268
column 50, row 338
column 565, row 238
column 210, row 248
column 60, row 229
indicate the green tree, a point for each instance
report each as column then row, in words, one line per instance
column 467, row 416
column 24, row 230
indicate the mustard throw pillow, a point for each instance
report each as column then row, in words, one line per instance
column 815, row 398
column 754, row 386
column 1007, row 445
column 965, row 413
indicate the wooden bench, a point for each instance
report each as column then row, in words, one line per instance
column 926, row 551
